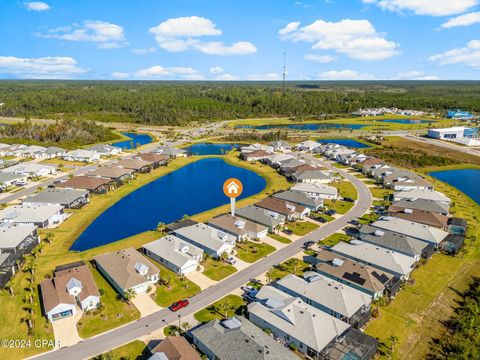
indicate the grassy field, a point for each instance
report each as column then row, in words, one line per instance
column 250, row 251
column 291, row 266
column 334, row 239
column 225, row 307
column 341, row 207
column 302, row 228
column 345, row 189
column 380, row 193
column 280, row 238
column 135, row 350
column 115, row 312
column 217, row 270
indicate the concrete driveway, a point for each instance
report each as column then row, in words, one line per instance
column 201, row 280
column 145, row 304
column 65, row 330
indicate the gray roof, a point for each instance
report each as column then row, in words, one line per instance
column 6, row 177
column 327, row 292
column 260, row 215
column 299, row 197
column 313, row 174
column 290, row 163
column 205, row 235
column 296, row 318
column 174, row 250
column 53, row 150
column 423, row 204
column 422, row 194
column 235, row 225
column 167, row 150
column 56, row 196
column 28, row 167
column 315, row 189
column 392, row 240
column 29, row 213
column 237, row 338
column 103, row 148
column 12, row 236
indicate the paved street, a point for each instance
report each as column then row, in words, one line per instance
column 446, row 145
column 142, row 327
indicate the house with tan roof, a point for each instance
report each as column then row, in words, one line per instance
column 138, row 165
column 156, row 159
column 113, row 172
column 127, row 269
column 174, row 348
column 255, row 155
column 72, row 286
column 241, row 228
column 290, row 210
column 95, row 185
column 420, row 216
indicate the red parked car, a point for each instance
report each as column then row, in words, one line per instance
column 179, row 304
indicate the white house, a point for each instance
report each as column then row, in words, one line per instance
column 308, row 145
column 414, row 194
column 176, row 254
column 31, row 169
column 33, row 214
column 7, row 180
column 317, row 190
column 105, row 149
column 81, row 155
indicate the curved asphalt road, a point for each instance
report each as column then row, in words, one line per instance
column 131, row 331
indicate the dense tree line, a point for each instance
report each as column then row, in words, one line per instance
column 462, row 339
column 66, row 133
column 175, row 103
column 254, row 136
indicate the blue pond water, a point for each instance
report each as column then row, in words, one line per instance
column 166, row 200
column 310, row 127
column 210, row 149
column 465, row 180
column 405, row 121
column 345, row 142
column 135, row 139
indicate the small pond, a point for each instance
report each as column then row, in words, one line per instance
column 309, row 127
column 210, row 148
column 465, row 180
column 136, row 139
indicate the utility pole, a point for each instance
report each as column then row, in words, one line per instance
column 284, row 71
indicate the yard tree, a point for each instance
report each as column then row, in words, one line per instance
column 186, row 326
column 49, row 237
column 9, row 286
column 393, row 341
column 129, row 295
column 161, row 227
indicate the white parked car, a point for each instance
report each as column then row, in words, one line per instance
column 231, row 260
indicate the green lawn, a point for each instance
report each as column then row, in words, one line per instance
column 250, row 251
column 341, row 207
column 380, row 193
column 217, row 270
column 280, row 238
column 171, row 330
column 225, row 307
column 340, row 166
column 173, row 287
column 302, row 228
column 334, row 239
column 291, row 266
column 368, row 218
column 114, row 314
column 136, row 350
column 345, row 189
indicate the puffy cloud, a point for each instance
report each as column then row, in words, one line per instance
column 37, row 6
column 357, row 39
column 463, row 20
column 321, row 59
column 158, row 71
column 345, row 75
column 265, row 77
column 468, row 55
column 51, row 67
column 425, row 7
column 139, row 51
column 184, row 33
column 416, row 75
column 106, row 34
column 120, row 75
column 227, row 77
column 216, row 70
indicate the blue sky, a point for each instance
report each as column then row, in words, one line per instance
column 240, row 40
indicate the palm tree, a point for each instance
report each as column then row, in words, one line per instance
column 167, row 281
column 129, row 295
column 225, row 306
column 49, row 237
column 185, row 217
column 270, row 275
column 186, row 326
column 9, row 286
column 161, row 227
column 294, row 262
column 393, row 341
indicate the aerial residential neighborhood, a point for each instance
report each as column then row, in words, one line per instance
column 242, row 180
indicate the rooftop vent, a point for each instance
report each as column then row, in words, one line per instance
column 337, row 262
column 379, row 233
column 408, row 211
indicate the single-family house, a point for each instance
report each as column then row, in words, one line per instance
column 369, row 279
column 68, row 198
column 420, row 216
column 156, row 159
column 255, row 147
column 176, row 254
column 385, row 259
column 237, row 338
column 172, row 227
column 81, row 155
column 95, row 185
column 370, row 169
column 32, row 151
column 271, row 219
column 285, row 165
column 213, row 241
column 280, row 145
column 105, row 149
column 275, row 159
column 174, row 348
column 238, row 227
column 406, row 180
column 113, row 172
column 137, row 165
column 31, row 169
column 369, row 164
column 255, row 155
column 313, row 176
column 294, row 322
column 423, row 205
column 18, row 239
column 127, row 269
column 416, row 230
column 39, row 215
column 330, row 296
column 6, row 163
column 53, row 152
column 300, row 168
column 307, row 145
column 7, row 179
column 290, row 210
column 300, row 198
column 72, row 285
column 414, row 194
column 171, row 152
column 319, row 191
column 400, row 243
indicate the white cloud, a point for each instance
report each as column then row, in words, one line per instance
column 357, row 39
column 416, row 75
column 265, row 77
column 345, row 75
column 227, row 77
column 51, row 67
column 321, row 59
column 106, row 34
column 184, row 33
column 139, row 51
column 158, row 71
column 468, row 55
column 37, row 6
column 426, row 7
column 120, row 75
column 216, row 70
column 463, row 20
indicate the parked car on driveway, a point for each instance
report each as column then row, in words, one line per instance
column 319, row 219
column 231, row 260
column 307, row 244
column 354, row 222
column 330, row 212
column 348, row 199
column 287, row 231
column 179, row 305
